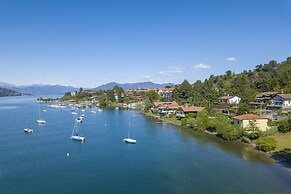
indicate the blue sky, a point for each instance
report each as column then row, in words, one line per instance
column 88, row 43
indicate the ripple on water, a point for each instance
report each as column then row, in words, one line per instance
column 7, row 107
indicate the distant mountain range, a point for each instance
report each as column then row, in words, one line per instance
column 38, row 89
column 139, row 85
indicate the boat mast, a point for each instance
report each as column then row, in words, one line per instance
column 25, row 122
column 128, row 129
column 39, row 111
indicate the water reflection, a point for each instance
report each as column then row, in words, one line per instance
column 236, row 148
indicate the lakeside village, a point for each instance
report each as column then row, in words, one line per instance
column 263, row 127
column 253, row 106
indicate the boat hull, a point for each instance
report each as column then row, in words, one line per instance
column 129, row 140
column 78, row 138
column 39, row 121
column 28, row 130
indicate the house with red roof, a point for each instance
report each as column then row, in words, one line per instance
column 244, row 120
column 184, row 110
column 165, row 107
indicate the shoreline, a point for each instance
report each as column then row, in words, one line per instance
column 272, row 155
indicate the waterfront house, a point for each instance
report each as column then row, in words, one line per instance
column 281, row 101
column 184, row 110
column 165, row 107
column 229, row 99
column 244, row 120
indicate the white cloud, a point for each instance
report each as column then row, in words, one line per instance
column 171, row 71
column 231, row 60
column 201, row 66
column 40, row 73
column 146, row 77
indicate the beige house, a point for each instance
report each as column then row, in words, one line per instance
column 243, row 121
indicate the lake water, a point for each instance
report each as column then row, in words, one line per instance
column 166, row 159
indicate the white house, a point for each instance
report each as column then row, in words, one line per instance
column 282, row 101
column 229, row 99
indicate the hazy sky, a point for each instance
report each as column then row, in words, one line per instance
column 88, row 43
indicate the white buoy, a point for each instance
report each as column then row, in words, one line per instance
column 68, row 154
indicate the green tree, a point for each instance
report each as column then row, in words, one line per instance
column 120, row 92
column 201, row 122
column 252, row 131
column 110, row 95
column 152, row 96
column 183, row 92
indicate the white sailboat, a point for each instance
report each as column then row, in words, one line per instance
column 128, row 139
column 93, row 111
column 40, row 120
column 26, row 129
column 75, row 135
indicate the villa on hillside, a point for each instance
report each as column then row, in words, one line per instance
column 244, row 120
column 162, row 91
column 281, row 101
column 165, row 93
column 263, row 98
column 184, row 110
column 229, row 100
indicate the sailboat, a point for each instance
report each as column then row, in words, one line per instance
column 75, row 135
column 93, row 111
column 128, row 139
column 26, row 129
column 40, row 120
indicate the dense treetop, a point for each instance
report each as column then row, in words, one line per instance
column 272, row 76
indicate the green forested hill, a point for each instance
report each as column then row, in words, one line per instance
column 272, row 76
column 7, row 92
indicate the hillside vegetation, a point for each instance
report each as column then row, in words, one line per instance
column 272, row 76
column 7, row 92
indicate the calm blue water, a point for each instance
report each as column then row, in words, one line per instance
column 166, row 159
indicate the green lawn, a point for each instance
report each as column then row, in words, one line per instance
column 283, row 139
column 172, row 120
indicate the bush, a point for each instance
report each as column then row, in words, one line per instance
column 184, row 122
column 284, row 126
column 190, row 115
column 229, row 132
column 271, row 131
column 191, row 122
column 266, row 144
column 272, row 123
